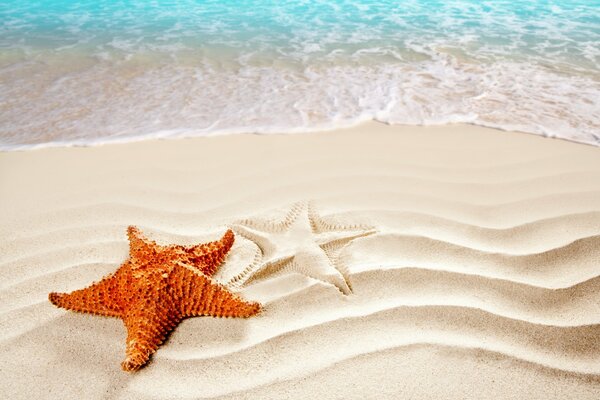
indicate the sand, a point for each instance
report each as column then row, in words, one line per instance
column 477, row 276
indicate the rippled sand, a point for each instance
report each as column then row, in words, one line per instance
column 481, row 278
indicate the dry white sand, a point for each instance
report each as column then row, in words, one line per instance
column 481, row 280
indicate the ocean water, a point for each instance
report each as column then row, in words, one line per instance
column 86, row 72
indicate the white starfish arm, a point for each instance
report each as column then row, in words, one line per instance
column 341, row 237
column 315, row 264
column 260, row 238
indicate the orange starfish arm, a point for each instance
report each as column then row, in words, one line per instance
column 147, row 326
column 99, row 298
column 209, row 256
column 139, row 245
column 198, row 295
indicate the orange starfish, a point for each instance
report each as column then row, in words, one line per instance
column 155, row 289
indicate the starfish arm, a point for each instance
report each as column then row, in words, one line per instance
column 139, row 245
column 341, row 237
column 274, row 226
column 99, row 298
column 147, row 325
column 260, row 238
column 315, row 264
column 210, row 255
column 320, row 224
column 198, row 295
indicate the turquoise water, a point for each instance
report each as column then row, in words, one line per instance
column 96, row 71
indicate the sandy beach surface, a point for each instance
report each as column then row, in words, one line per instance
column 392, row 262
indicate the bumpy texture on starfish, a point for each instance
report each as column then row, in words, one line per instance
column 302, row 242
column 155, row 289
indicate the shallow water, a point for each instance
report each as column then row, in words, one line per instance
column 99, row 71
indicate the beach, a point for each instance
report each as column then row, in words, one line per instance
column 470, row 268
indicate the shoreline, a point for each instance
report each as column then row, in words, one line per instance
column 162, row 136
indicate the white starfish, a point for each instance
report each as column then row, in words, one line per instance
column 302, row 242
